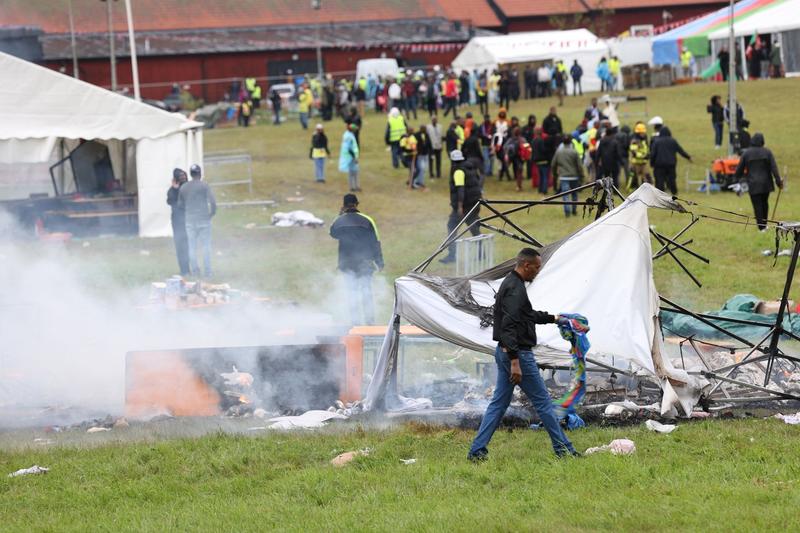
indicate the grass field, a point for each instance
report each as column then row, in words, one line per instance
column 714, row 475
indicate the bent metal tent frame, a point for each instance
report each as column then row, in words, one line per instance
column 45, row 114
column 576, row 276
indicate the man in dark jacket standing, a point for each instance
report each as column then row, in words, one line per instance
column 663, row 159
column 179, row 221
column 196, row 198
column 514, row 329
column 757, row 166
column 465, row 192
column 359, row 256
column 609, row 156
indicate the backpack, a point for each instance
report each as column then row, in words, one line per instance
column 525, row 151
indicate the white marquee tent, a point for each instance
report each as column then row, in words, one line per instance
column 490, row 52
column 45, row 114
column 580, row 274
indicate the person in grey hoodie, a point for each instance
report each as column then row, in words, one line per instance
column 198, row 202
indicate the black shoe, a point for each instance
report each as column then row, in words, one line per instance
column 478, row 457
column 573, row 454
column 447, row 259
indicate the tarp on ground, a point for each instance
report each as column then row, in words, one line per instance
column 695, row 35
column 603, row 272
column 488, row 53
column 40, row 107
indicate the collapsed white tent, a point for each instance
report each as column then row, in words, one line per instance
column 603, row 271
column 530, row 47
column 45, row 113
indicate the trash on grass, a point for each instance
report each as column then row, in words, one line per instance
column 97, row 430
column 35, row 469
column 792, row 420
column 616, row 447
column 296, row 218
column 408, row 461
column 308, row 420
column 344, row 458
column 652, row 425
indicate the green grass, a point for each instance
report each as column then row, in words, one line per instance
column 739, row 475
column 711, row 476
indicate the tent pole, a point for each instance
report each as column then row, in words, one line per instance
column 733, row 137
column 132, row 45
column 681, row 232
column 447, row 241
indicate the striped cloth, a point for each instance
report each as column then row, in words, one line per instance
column 575, row 332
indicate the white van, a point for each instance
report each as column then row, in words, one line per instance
column 377, row 67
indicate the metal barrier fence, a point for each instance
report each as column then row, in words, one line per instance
column 474, row 254
column 228, row 159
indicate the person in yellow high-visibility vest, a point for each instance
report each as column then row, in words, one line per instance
column 639, row 150
column 395, row 129
column 304, row 101
column 686, row 62
column 614, row 71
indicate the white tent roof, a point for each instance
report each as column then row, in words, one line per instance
column 37, row 103
column 488, row 52
column 782, row 16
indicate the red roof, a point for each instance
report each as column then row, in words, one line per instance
column 543, row 8
column 155, row 15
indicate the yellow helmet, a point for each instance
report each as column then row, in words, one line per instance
column 640, row 128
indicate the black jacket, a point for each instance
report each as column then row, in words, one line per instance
column 423, row 143
column 663, row 152
column 359, row 244
column 514, row 318
column 468, row 194
column 178, row 212
column 451, row 139
column 319, row 140
column 717, row 113
column 609, row 154
column 552, row 125
column 757, row 165
column 472, row 148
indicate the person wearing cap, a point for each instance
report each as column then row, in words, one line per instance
column 178, row 220
column 465, row 193
column 360, row 256
column 657, row 122
column 198, row 201
column 639, row 150
column 758, row 168
column 348, row 157
column 319, row 153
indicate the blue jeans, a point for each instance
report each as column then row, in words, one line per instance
column 567, row 184
column 533, row 386
column 488, row 160
column 359, row 288
column 544, row 176
column 319, row 168
column 199, row 235
column 304, row 120
column 395, row 146
column 421, row 167
column 717, row 133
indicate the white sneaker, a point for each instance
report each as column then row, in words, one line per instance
column 717, row 147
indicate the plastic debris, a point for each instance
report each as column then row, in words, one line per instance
column 616, row 447
column 344, row 458
column 296, row 218
column 121, row 423
column 35, row 469
column 97, row 430
column 766, row 253
column 408, row 461
column 308, row 420
column 652, row 425
column 792, row 420
column 617, row 408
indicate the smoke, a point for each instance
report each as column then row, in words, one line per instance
column 64, row 345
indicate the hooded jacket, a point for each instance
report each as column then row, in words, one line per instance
column 665, row 149
column 757, row 166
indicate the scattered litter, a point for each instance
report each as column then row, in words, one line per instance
column 410, row 404
column 343, row 458
column 296, row 218
column 295, row 199
column 785, row 252
column 573, row 422
column 144, row 252
column 308, row 420
column 35, row 469
column 792, row 420
column 121, row 423
column 652, row 425
column 700, row 414
column 617, row 408
column 616, row 447
column 408, row 461
column 766, row 253
column 97, row 430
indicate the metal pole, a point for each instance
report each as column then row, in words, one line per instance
column 773, row 345
column 112, row 56
column 732, row 110
column 317, row 6
column 132, row 44
column 75, row 73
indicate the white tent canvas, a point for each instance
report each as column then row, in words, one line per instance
column 40, row 108
column 603, row 272
column 489, row 52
